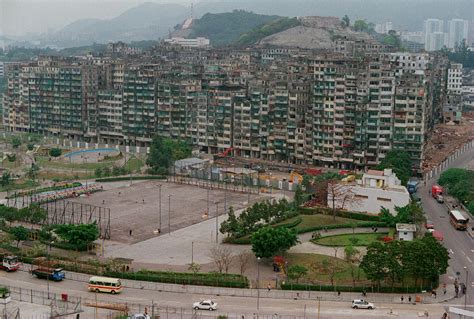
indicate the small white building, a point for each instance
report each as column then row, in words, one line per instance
column 406, row 231
column 375, row 190
column 198, row 42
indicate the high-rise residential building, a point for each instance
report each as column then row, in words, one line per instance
column 457, row 32
column 297, row 106
column 435, row 41
column 2, row 69
column 430, row 27
column 384, row 28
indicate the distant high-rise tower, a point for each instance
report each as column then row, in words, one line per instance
column 432, row 26
column 457, row 32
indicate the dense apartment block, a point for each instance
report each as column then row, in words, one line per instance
column 344, row 109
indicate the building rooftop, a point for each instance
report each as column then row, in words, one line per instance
column 406, row 227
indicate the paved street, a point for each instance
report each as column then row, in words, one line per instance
column 285, row 308
column 459, row 243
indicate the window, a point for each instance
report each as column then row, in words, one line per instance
column 384, row 199
column 361, row 196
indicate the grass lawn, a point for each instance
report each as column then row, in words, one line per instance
column 19, row 184
column 45, row 162
column 319, row 269
column 134, row 164
column 319, row 220
column 362, row 239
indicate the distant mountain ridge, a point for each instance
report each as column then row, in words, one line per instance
column 148, row 21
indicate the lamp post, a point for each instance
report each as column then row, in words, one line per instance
column 217, row 222
column 258, row 283
column 159, row 206
column 192, row 253
column 465, row 295
column 207, row 202
column 169, row 214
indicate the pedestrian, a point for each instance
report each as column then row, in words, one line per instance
column 409, row 299
column 456, row 290
column 143, row 200
column 445, row 315
column 103, row 201
column 130, row 232
column 444, row 291
column 401, row 298
column 338, row 293
column 364, row 294
column 463, row 288
column 269, row 288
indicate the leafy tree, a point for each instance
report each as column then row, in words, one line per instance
column 269, row 241
column 16, row 142
column 194, row 267
column 296, row 272
column 116, row 171
column 350, row 253
column 163, row 151
column 392, row 39
column 361, row 25
column 452, row 176
column 106, row 171
column 409, row 214
column 6, row 179
column 30, row 146
column 400, row 162
column 231, row 225
column 261, row 31
column 33, row 171
column 55, row 152
column 19, row 233
column 299, row 197
column 374, row 262
column 78, row 235
column 346, row 21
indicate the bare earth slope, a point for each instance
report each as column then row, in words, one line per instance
column 314, row 33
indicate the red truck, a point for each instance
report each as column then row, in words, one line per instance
column 436, row 191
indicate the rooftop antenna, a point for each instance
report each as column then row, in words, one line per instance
column 192, row 10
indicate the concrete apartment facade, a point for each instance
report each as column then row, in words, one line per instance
column 299, row 106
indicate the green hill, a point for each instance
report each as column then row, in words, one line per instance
column 272, row 27
column 226, row 28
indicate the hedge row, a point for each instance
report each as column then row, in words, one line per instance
column 293, row 224
column 200, row 279
column 337, row 226
column 308, row 287
column 125, row 178
column 340, row 213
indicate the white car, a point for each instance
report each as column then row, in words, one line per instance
column 362, row 304
column 205, row 305
column 139, row 316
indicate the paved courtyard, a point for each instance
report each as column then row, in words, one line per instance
column 136, row 207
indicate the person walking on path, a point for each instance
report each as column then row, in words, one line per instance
column 130, row 232
column 401, row 298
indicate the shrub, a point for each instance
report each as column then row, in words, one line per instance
column 337, row 226
column 308, row 287
column 55, row 152
column 30, row 146
column 340, row 213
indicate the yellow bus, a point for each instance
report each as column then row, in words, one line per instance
column 104, row 284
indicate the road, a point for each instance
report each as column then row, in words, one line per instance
column 459, row 243
column 247, row 306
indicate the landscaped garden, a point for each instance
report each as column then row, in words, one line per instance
column 361, row 239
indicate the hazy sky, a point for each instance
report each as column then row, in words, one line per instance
column 18, row 17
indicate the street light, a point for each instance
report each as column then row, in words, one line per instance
column 258, row 282
column 217, row 222
column 169, row 214
column 159, row 205
column 465, row 287
column 207, row 202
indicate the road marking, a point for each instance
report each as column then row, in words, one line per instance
column 469, row 259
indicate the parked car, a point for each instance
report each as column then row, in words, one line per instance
column 139, row 316
column 429, row 224
column 205, row 305
column 440, row 199
column 362, row 304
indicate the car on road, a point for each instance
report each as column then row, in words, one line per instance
column 205, row 305
column 139, row 316
column 440, row 199
column 362, row 304
column 429, row 224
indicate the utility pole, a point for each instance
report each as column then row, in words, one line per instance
column 207, row 201
column 258, row 283
column 465, row 295
column 319, row 306
column 192, row 252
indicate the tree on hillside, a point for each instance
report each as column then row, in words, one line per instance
column 345, row 21
column 269, row 241
column 55, row 152
column 392, row 39
column 453, row 176
column 16, row 142
column 6, row 179
column 400, row 162
column 361, row 25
